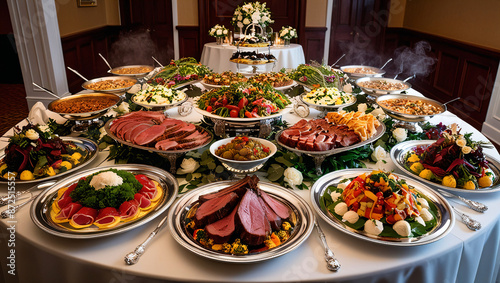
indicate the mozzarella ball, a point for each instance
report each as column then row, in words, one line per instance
column 426, row 215
column 335, row 196
column 341, row 208
column 402, row 228
column 420, row 220
column 423, row 202
column 351, row 217
column 374, row 227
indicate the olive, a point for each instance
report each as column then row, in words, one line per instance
column 238, row 146
column 244, row 151
column 242, row 158
column 227, row 155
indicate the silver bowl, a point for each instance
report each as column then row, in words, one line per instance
column 86, row 84
column 379, row 92
column 81, row 98
column 115, row 71
column 409, row 117
column 378, row 72
column 243, row 166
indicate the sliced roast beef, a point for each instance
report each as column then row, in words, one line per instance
column 273, row 218
column 254, row 224
column 215, row 209
column 149, row 135
column 222, row 230
column 239, row 188
column 278, row 207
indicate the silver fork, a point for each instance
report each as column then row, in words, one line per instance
column 474, row 205
column 472, row 224
column 331, row 262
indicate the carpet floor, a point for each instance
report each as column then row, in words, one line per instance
column 14, row 107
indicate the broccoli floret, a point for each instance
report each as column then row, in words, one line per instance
column 283, row 235
column 238, row 248
column 286, row 226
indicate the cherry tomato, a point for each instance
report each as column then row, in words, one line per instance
column 209, row 109
column 234, row 114
column 213, row 99
column 224, row 101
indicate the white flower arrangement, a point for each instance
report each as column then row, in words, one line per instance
column 288, row 33
column 188, row 165
column 399, row 134
column 218, row 31
column 251, row 13
column 293, row 177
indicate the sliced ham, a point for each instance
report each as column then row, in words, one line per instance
column 253, row 220
column 135, row 132
column 63, row 202
column 107, row 215
column 85, row 216
column 142, row 200
column 149, row 135
column 129, row 209
column 215, row 209
column 68, row 211
column 221, row 231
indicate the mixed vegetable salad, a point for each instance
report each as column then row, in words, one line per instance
column 317, row 75
column 381, row 204
column 179, row 72
column 454, row 160
column 35, row 152
column 243, row 100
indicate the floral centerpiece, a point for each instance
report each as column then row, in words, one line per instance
column 288, row 33
column 219, row 32
column 251, row 13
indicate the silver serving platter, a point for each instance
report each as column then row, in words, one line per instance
column 285, row 87
column 243, row 120
column 445, row 221
column 327, row 107
column 378, row 134
column 210, row 86
column 408, row 117
column 378, row 92
column 157, row 107
column 138, row 75
column 83, row 143
column 186, row 84
column 85, row 115
column 399, row 152
column 152, row 149
column 41, row 206
column 86, row 84
column 303, row 214
column 378, row 72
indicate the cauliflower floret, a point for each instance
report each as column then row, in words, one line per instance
column 426, row 215
column 402, row 228
column 350, row 216
column 420, row 220
column 423, row 202
column 335, row 196
column 341, row 208
column 374, row 227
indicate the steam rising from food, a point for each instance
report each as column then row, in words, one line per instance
column 414, row 61
column 133, row 48
column 355, row 55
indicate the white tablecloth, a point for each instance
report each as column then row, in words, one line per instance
column 217, row 57
column 462, row 256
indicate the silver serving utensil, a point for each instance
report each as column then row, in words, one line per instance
column 4, row 200
column 331, row 262
column 105, row 61
column 46, row 90
column 78, row 74
column 455, row 99
column 472, row 224
column 9, row 212
column 408, row 78
column 343, row 55
column 474, row 205
column 386, row 63
column 133, row 257
column 157, row 61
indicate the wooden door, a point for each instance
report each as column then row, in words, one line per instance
column 212, row 12
column 357, row 30
column 150, row 26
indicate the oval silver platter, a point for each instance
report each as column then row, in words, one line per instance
column 409, row 117
column 327, row 107
column 210, row 86
column 285, row 87
column 378, row 92
column 446, row 218
column 114, row 90
column 41, row 206
column 88, row 145
column 114, row 71
column 84, row 115
column 399, row 151
column 302, row 230
column 378, row 72
column 378, row 134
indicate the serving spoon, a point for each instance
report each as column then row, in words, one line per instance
column 343, row 55
column 46, row 90
column 105, row 61
column 161, row 65
column 80, row 75
column 472, row 224
column 331, row 262
column 386, row 63
column 474, row 205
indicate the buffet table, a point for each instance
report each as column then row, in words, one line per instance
column 217, row 57
column 461, row 256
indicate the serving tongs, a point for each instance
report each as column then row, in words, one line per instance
column 12, row 199
column 46, row 90
column 474, row 205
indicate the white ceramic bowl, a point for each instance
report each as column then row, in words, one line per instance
column 240, row 166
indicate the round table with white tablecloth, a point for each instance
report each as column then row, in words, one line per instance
column 216, row 57
column 462, row 256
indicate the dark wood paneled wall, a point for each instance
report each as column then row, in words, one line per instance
column 461, row 70
column 189, row 41
column 314, row 43
column 81, row 51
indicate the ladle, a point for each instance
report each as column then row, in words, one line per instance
column 343, row 55
column 46, row 90
column 408, row 78
column 454, row 99
column 157, row 61
column 78, row 74
column 386, row 63
column 105, row 61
